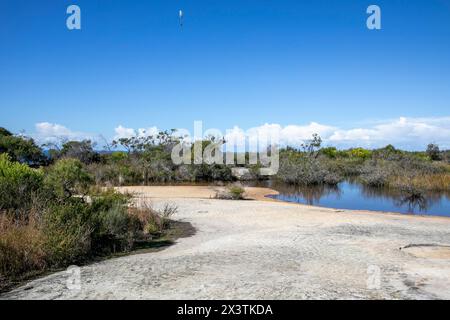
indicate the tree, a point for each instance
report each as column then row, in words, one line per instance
column 18, row 183
column 4, row 132
column 433, row 152
column 311, row 146
column 142, row 142
column 81, row 150
column 67, row 177
column 21, row 149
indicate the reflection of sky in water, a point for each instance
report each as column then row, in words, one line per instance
column 350, row 195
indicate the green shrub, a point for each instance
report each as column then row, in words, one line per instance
column 4, row 132
column 115, row 230
column 81, row 150
column 68, row 177
column 236, row 192
column 375, row 178
column 18, row 184
column 67, row 229
column 21, row 149
column 64, row 219
column 213, row 172
column 231, row 193
column 433, row 152
column 346, row 166
column 299, row 169
column 118, row 156
column 105, row 199
column 360, row 153
column 330, row 152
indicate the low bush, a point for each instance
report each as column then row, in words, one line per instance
column 67, row 233
column 360, row 153
column 67, row 177
column 303, row 170
column 237, row 193
column 153, row 221
column 407, row 171
column 21, row 247
column 18, row 184
column 375, row 173
column 115, row 230
column 330, row 152
column 231, row 193
column 433, row 152
column 65, row 219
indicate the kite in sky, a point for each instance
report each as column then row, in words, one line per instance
column 181, row 17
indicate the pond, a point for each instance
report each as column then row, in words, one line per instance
column 353, row 195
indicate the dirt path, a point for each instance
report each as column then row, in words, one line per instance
column 271, row 250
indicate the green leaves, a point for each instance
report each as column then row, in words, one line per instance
column 18, row 183
column 68, row 177
column 21, row 149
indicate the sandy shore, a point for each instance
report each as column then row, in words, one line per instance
column 194, row 192
column 270, row 250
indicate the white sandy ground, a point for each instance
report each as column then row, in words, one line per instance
column 270, row 250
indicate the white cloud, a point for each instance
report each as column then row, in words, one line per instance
column 292, row 135
column 51, row 132
column 403, row 132
column 146, row 132
column 407, row 133
column 295, row 135
column 123, row 132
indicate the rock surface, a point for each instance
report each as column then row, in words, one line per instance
column 271, row 250
column 242, row 174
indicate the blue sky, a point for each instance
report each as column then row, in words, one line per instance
column 239, row 63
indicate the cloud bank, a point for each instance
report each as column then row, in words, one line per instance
column 403, row 132
column 122, row 132
column 407, row 133
column 54, row 133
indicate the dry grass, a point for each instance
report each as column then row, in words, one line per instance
column 21, row 247
column 32, row 245
column 428, row 182
column 152, row 221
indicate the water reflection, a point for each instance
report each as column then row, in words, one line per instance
column 352, row 195
column 310, row 195
column 413, row 203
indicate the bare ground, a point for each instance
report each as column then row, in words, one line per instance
column 270, row 250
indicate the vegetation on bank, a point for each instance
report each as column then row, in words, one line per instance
column 411, row 172
column 147, row 159
column 56, row 211
column 55, row 216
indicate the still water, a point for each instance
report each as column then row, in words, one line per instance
column 352, row 195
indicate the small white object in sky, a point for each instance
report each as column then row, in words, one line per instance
column 181, row 17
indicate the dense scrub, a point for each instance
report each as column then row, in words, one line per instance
column 55, row 209
column 56, row 217
column 411, row 172
column 147, row 159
